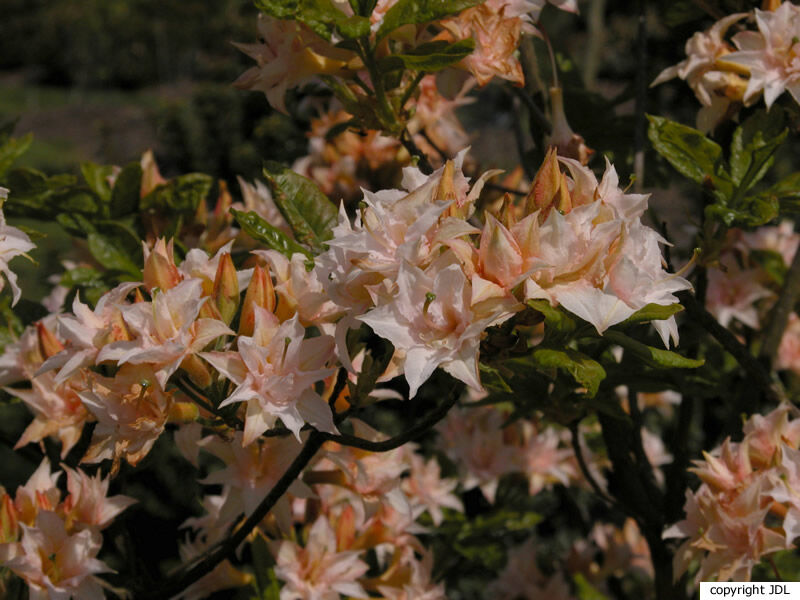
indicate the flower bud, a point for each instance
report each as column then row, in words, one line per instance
column 226, row 289
column 159, row 267
column 9, row 523
column 48, row 342
column 261, row 293
column 546, row 185
column 183, row 412
column 197, row 370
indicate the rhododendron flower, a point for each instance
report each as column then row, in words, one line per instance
column 56, row 564
column 168, row 330
column 474, row 439
column 427, row 490
column 57, row 410
column 87, row 331
column 789, row 348
column 289, row 55
column 318, row 571
column 274, row 371
column 412, row 580
column 13, row 242
column 250, row 472
column 430, row 323
column 88, row 504
column 257, row 198
column 771, row 55
column 521, row 578
column 733, row 293
column 716, row 86
column 593, row 255
column 131, row 411
column 496, row 39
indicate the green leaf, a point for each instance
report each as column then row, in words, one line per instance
column 415, row 12
column 493, row 380
column 110, row 256
column 309, row 212
column 265, row 581
column 653, row 312
column 125, row 193
column 180, row 195
column 753, row 147
column 429, row 57
column 786, row 192
column 585, row 590
column 654, row 357
column 261, row 231
column 321, row 16
column 96, row 177
column 755, row 211
column 75, row 224
column 558, row 323
column 11, row 149
column 691, row 153
column 585, row 371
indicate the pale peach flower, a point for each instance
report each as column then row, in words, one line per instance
column 274, row 372
column 780, row 238
column 57, row 410
column 431, row 323
column 772, row 55
column 168, row 330
column 496, row 38
column 475, row 440
column 289, row 55
column 131, row 410
column 86, row 331
column 13, row 242
column 58, row 565
column 521, row 578
column 716, row 86
column 789, row 348
column 87, row 504
column 427, row 490
column 733, row 294
column 318, row 570
column 249, row 474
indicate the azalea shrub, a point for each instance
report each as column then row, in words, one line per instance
column 384, row 371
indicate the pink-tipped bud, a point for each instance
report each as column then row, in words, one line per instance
column 48, row 342
column 9, row 520
column 226, row 289
column 500, row 255
column 546, row 185
column 261, row 293
column 159, row 267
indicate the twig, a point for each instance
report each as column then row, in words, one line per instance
column 504, row 189
column 728, row 341
column 773, row 332
column 209, row 560
column 576, row 448
column 536, row 113
column 413, row 150
column 397, row 441
column 641, row 97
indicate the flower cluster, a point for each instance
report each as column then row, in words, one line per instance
column 52, row 542
column 747, row 506
column 726, row 75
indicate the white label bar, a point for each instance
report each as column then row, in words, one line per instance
column 755, row 590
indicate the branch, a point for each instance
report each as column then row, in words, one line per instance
column 728, row 341
column 576, row 448
column 208, row 561
column 413, row 150
column 774, row 330
column 397, row 441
